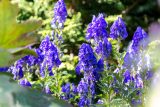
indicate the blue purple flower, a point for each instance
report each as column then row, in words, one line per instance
column 69, row 91
column 97, row 29
column 24, row 83
column 127, row 77
column 87, row 59
column 51, row 56
column 118, row 29
column 84, row 101
column 60, row 14
column 104, row 48
column 4, row 69
column 140, row 40
column 47, row 90
column 138, row 81
column 17, row 69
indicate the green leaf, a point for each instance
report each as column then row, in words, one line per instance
column 13, row 34
column 12, row 95
column 5, row 57
column 8, row 57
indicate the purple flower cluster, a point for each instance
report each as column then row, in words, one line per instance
column 25, row 83
column 69, row 91
column 127, row 76
column 136, row 61
column 104, row 48
column 132, row 58
column 60, row 14
column 50, row 56
column 87, row 63
column 97, row 29
column 118, row 29
column 140, row 39
column 17, row 69
column 47, row 90
column 86, row 89
column 47, row 59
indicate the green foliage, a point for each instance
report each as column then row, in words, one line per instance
column 14, row 35
column 73, row 33
column 13, row 32
column 12, row 95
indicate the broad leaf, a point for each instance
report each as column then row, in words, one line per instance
column 12, row 95
column 13, row 34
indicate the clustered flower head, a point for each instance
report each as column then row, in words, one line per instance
column 17, row 69
column 87, row 60
column 97, row 29
column 140, row 39
column 136, row 62
column 87, row 63
column 60, row 14
column 118, row 29
column 69, row 91
column 50, row 54
column 47, row 58
column 104, row 48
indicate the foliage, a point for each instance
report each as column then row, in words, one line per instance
column 24, row 97
column 14, row 33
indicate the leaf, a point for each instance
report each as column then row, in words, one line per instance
column 13, row 34
column 12, row 95
column 5, row 57
column 8, row 57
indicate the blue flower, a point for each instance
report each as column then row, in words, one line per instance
column 66, row 88
column 17, row 69
column 50, row 56
column 84, row 101
column 74, row 89
column 60, row 14
column 104, row 48
column 118, row 29
column 47, row 90
column 138, row 81
column 25, row 83
column 69, row 91
column 127, row 77
column 97, row 29
column 4, row 69
column 100, row 65
column 87, row 59
column 140, row 40
column 30, row 60
column 149, row 75
column 82, row 87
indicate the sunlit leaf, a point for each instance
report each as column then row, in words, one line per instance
column 13, row 34
column 12, row 95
